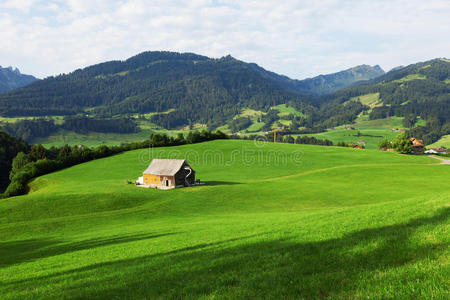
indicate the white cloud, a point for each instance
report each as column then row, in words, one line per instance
column 23, row 6
column 296, row 38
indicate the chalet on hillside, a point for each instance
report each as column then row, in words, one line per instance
column 167, row 174
column 418, row 146
column 358, row 147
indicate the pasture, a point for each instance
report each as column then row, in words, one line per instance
column 272, row 221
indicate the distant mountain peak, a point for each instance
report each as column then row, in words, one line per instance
column 11, row 78
column 329, row 83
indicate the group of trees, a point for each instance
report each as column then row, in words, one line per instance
column 30, row 129
column 9, row 147
column 30, row 162
column 41, row 127
column 283, row 137
column 402, row 144
column 86, row 124
column 239, row 123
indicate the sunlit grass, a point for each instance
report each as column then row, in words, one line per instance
column 277, row 221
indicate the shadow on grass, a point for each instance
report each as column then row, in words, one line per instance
column 214, row 183
column 14, row 252
column 283, row 268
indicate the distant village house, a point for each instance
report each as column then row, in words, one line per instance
column 418, row 146
column 441, row 150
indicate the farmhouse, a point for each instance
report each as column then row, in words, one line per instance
column 441, row 150
column 167, row 174
column 358, row 147
column 418, row 147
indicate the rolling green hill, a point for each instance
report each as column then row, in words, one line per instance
column 291, row 221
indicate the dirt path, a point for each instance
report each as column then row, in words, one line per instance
column 443, row 160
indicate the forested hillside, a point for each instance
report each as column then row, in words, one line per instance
column 199, row 89
column 419, row 90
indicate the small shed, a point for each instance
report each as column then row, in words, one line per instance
column 168, row 173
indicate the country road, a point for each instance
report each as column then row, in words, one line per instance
column 443, row 160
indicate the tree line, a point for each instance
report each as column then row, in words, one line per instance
column 41, row 127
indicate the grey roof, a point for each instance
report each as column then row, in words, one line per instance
column 167, row 167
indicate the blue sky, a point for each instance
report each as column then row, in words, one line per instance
column 297, row 38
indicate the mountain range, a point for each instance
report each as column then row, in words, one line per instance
column 12, row 79
column 199, row 88
column 182, row 89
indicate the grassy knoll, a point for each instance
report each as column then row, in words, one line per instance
column 57, row 119
column 443, row 142
column 371, row 100
column 278, row 221
column 287, row 110
column 411, row 77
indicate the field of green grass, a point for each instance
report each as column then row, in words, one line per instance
column 272, row 221
column 442, row 142
column 371, row 100
column 372, row 131
column 411, row 77
column 287, row 110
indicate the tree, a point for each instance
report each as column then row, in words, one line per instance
column 38, row 152
column 402, row 143
column 289, row 139
column 18, row 162
column 409, row 121
column 384, row 144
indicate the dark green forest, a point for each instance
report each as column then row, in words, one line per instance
column 41, row 127
column 9, row 147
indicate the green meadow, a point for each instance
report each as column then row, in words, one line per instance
column 442, row 142
column 272, row 221
column 371, row 131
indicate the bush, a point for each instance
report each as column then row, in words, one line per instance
column 384, row 144
column 402, row 143
column 15, row 188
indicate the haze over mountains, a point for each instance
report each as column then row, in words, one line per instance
column 12, row 78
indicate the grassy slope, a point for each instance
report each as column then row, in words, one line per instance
column 337, row 222
column 377, row 129
column 443, row 142
column 287, row 110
